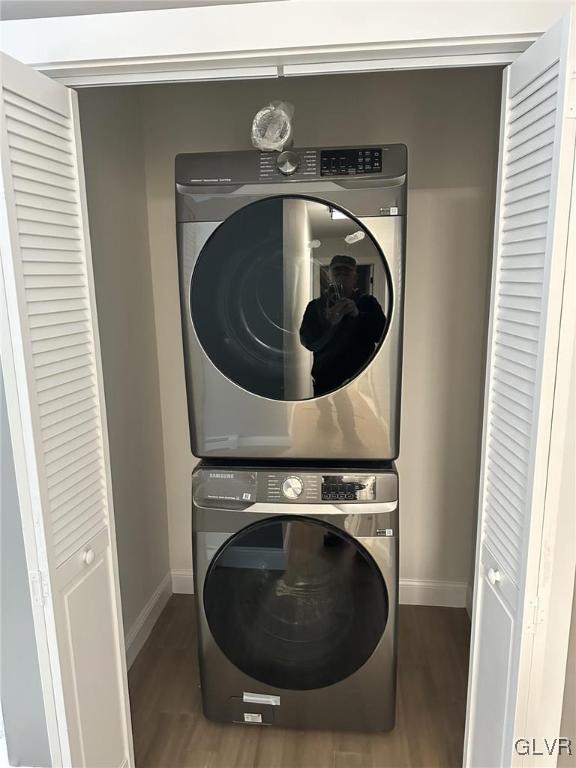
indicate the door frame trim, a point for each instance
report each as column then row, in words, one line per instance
column 201, row 43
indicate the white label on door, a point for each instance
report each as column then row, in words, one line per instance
column 252, row 717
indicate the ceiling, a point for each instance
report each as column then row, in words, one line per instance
column 34, row 9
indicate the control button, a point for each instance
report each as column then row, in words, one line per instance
column 287, row 162
column 292, row 487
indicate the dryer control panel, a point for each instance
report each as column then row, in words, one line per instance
column 350, row 162
column 296, row 164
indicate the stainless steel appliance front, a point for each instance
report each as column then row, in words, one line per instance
column 291, row 293
column 296, row 600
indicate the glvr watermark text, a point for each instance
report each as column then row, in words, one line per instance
column 538, row 747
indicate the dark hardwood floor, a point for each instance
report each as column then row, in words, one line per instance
column 171, row 732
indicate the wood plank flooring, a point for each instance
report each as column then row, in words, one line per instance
column 171, row 732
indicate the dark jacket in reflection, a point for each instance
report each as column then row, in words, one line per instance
column 341, row 350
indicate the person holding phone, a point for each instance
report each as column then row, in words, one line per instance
column 341, row 328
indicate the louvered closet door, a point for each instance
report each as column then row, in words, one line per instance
column 56, row 408
column 535, row 173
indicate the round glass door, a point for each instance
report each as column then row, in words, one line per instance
column 295, row 603
column 290, row 298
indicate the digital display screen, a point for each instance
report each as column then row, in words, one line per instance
column 350, row 162
column 348, row 488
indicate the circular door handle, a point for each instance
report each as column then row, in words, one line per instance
column 88, row 556
column 494, row 576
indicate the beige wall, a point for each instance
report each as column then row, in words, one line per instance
column 117, row 203
column 449, row 120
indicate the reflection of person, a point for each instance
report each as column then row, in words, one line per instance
column 341, row 328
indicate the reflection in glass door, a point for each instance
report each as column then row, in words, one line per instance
column 290, row 298
column 295, row 603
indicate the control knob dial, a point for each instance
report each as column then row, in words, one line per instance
column 287, row 162
column 292, row 487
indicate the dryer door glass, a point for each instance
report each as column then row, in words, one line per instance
column 290, row 298
column 295, row 603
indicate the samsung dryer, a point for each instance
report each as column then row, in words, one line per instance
column 296, row 574
column 291, row 284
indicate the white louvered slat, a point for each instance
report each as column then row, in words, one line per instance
column 59, row 330
column 545, row 108
column 34, row 160
column 44, row 203
column 52, row 115
column 69, row 397
column 514, row 314
column 85, row 458
column 533, row 93
column 36, row 149
column 513, row 393
column 530, row 161
column 52, row 181
column 504, row 349
column 57, row 298
column 17, row 125
column 47, row 215
column 32, row 187
column 28, row 114
column 528, row 189
column 57, row 308
column 49, row 323
column 81, row 404
column 66, row 464
column 537, row 172
column 68, row 339
column 520, row 150
column 529, row 204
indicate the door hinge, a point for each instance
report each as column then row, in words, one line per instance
column 39, row 588
column 534, row 615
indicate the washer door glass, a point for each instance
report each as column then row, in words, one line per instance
column 290, row 298
column 295, row 603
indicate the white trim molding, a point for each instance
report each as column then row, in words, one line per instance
column 147, row 618
column 203, row 43
column 448, row 594
column 182, row 581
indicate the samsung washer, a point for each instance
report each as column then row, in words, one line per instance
column 270, row 373
column 296, row 573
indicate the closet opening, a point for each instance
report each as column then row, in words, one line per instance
column 449, row 121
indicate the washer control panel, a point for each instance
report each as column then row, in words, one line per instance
column 327, row 487
column 348, row 487
column 239, row 486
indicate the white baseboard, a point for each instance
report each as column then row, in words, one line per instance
column 182, row 581
column 469, row 600
column 449, row 594
column 139, row 631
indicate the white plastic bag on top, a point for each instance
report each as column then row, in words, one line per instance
column 272, row 127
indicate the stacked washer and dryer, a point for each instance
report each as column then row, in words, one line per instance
column 291, row 272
